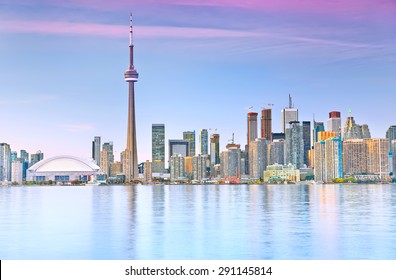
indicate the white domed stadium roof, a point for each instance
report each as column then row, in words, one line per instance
column 65, row 164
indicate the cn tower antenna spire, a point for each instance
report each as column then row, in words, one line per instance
column 130, row 30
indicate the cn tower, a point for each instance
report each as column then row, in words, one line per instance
column 130, row 156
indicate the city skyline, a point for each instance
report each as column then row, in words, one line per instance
column 69, row 68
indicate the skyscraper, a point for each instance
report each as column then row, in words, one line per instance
column 176, row 166
column 17, row 171
column 251, row 127
column 258, row 158
column 107, row 158
column 351, row 129
column 307, row 140
column 179, row 147
column 365, row 131
column 214, row 149
column 294, row 145
column 25, row 163
column 199, row 167
column 35, row 158
column 334, row 123
column 158, row 148
column 190, row 136
column 276, row 152
column 289, row 114
column 266, row 124
column 317, row 127
column 5, row 162
column 130, row 161
column 377, row 156
column 231, row 164
column 354, row 157
column 96, row 150
column 203, row 141
column 391, row 135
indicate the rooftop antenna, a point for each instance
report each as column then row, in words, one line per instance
column 349, row 112
column 290, row 102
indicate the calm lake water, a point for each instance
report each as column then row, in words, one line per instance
column 199, row 222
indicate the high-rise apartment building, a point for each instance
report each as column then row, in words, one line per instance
column 5, row 162
column 158, row 148
column 188, row 167
column 96, row 150
column 179, row 147
column 190, row 136
column 14, row 156
column 354, row 157
column 176, row 166
column 25, row 163
column 324, row 135
column 289, row 115
column 17, row 171
column 276, row 152
column 251, row 127
column 203, row 141
column 393, row 151
column 294, row 145
column 107, row 158
column 148, row 172
column 215, row 149
column 231, row 164
column 266, row 124
column 258, row 158
column 199, row 166
column 334, row 123
column 328, row 160
column 377, row 156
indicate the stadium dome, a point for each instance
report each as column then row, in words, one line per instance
column 63, row 169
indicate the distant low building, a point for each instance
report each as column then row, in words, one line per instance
column 279, row 172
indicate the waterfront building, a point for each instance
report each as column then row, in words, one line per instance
column 96, row 150
column 130, row 161
column 354, row 157
column 324, row 135
column 289, row 114
column 317, row 127
column 106, row 158
column 215, row 149
column 377, row 156
column 203, row 141
column 278, row 172
column 294, row 145
column 391, row 135
column 266, row 124
column 190, row 136
column 258, row 158
column 35, row 158
column 188, row 167
column 306, row 127
column 148, row 172
column 180, row 147
column 5, row 162
column 393, row 150
column 334, row 123
column 158, row 148
column 230, row 163
column 17, row 171
column 63, row 169
column 320, row 161
column 276, row 152
column 199, row 167
column 116, row 168
column 333, row 158
column 251, row 127
column 176, row 166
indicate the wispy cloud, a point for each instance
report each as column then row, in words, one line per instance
column 75, row 128
column 30, row 100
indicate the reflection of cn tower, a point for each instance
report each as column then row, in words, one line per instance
column 130, row 156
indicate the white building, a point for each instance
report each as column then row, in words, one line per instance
column 63, row 169
column 17, row 172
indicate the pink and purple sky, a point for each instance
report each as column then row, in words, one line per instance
column 202, row 64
